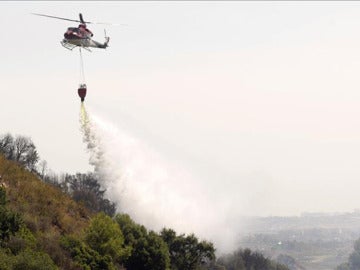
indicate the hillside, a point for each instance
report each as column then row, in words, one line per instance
column 45, row 224
column 44, row 207
column 42, row 227
column 45, row 210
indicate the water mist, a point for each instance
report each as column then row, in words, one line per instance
column 154, row 192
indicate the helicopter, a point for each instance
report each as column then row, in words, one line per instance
column 79, row 36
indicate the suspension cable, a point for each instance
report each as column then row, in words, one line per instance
column 82, row 74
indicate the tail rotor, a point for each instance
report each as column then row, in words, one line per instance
column 107, row 39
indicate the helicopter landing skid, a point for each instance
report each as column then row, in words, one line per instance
column 68, row 45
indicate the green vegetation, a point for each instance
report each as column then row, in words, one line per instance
column 248, row 260
column 10, row 222
column 26, row 259
column 101, row 246
column 17, row 243
column 85, row 189
column 149, row 251
column 47, row 223
column 186, row 252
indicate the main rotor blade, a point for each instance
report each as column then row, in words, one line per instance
column 115, row 24
column 80, row 21
column 54, row 17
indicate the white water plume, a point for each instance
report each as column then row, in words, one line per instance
column 151, row 190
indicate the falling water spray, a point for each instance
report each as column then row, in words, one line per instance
column 91, row 140
column 155, row 192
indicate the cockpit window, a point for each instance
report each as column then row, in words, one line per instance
column 73, row 29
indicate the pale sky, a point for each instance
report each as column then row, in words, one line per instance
column 258, row 100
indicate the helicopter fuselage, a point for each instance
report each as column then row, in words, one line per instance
column 81, row 37
column 78, row 32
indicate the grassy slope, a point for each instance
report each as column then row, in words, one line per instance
column 46, row 211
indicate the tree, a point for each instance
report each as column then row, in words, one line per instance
column 21, row 149
column 149, row 251
column 105, row 237
column 2, row 196
column 248, row 260
column 7, row 146
column 10, row 222
column 85, row 188
column 25, row 152
column 186, row 252
column 27, row 259
column 100, row 248
column 232, row 262
column 43, row 169
column 85, row 257
column 32, row 260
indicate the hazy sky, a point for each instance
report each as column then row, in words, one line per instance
column 258, row 100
